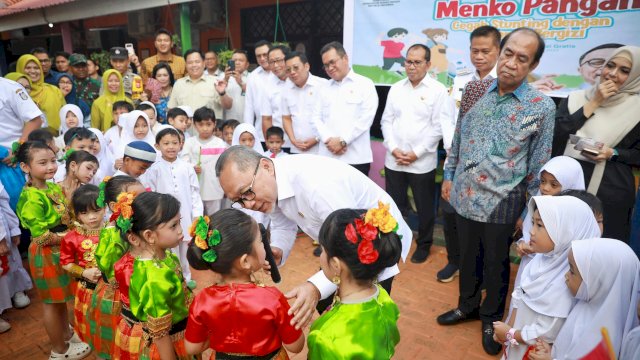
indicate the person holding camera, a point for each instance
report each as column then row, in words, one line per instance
column 235, row 75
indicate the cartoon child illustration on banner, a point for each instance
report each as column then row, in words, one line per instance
column 393, row 47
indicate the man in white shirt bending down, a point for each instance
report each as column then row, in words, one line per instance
column 348, row 105
column 419, row 113
column 299, row 100
column 302, row 190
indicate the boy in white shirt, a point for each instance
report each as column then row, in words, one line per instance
column 202, row 153
column 173, row 176
column 275, row 140
column 138, row 158
column 179, row 119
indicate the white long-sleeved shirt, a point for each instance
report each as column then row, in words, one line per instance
column 346, row 110
column 253, row 99
column 310, row 187
column 9, row 223
column 300, row 103
column 179, row 179
column 205, row 153
column 415, row 119
column 272, row 104
column 235, row 92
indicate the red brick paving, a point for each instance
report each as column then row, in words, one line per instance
column 418, row 295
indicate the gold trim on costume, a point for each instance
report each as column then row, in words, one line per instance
column 158, row 327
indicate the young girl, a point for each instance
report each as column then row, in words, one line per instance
column 42, row 209
column 155, row 298
column 237, row 316
column 105, row 304
column 135, row 127
column 70, row 117
column 558, row 174
column 102, row 152
column 362, row 322
column 542, row 302
column 77, row 254
column 604, row 278
column 102, row 108
column 80, row 166
column 148, row 108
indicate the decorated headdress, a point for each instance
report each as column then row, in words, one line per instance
column 364, row 231
column 204, row 238
column 66, row 155
column 123, row 212
column 100, row 200
column 15, row 146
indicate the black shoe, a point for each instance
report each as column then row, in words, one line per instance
column 420, row 255
column 488, row 344
column 317, row 251
column 456, row 316
column 448, row 273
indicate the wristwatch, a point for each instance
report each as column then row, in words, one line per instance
column 511, row 337
column 343, row 143
column 614, row 157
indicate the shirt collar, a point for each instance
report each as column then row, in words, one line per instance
column 518, row 93
column 311, row 81
column 285, row 190
column 423, row 82
column 350, row 75
column 188, row 77
column 493, row 74
column 168, row 58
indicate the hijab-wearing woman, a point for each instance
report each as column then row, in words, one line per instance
column 606, row 282
column 48, row 97
column 21, row 79
column 102, row 108
column 609, row 113
column 68, row 87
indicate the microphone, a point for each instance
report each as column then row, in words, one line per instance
column 266, row 241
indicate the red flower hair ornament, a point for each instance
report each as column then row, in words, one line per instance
column 367, row 230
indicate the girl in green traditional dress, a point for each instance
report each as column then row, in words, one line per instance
column 362, row 322
column 42, row 208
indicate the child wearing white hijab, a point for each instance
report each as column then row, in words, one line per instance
column 631, row 342
column 542, row 301
column 103, row 153
column 70, row 117
column 605, row 280
column 133, row 129
column 150, row 109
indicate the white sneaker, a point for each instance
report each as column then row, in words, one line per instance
column 4, row 326
column 74, row 338
column 20, row 300
column 76, row 351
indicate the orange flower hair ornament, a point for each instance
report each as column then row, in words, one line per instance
column 123, row 212
column 204, row 238
column 376, row 220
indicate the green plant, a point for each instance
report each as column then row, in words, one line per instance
column 102, row 59
column 177, row 43
column 223, row 57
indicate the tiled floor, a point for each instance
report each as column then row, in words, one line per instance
column 418, row 295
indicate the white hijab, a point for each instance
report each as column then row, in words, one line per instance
column 607, row 298
column 565, row 218
column 242, row 128
column 105, row 158
column 63, row 117
column 568, row 172
column 129, row 125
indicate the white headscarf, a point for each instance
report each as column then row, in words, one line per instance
column 63, row 117
column 565, row 218
column 105, row 158
column 152, row 106
column 631, row 345
column 569, row 174
column 245, row 127
column 610, row 274
column 129, row 125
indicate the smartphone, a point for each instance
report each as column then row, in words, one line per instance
column 129, row 47
column 593, row 152
column 232, row 65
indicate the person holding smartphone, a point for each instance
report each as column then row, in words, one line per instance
column 235, row 75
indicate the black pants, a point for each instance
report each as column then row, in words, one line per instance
column 423, row 187
column 450, row 233
column 617, row 221
column 388, row 62
column 323, row 304
column 363, row 168
column 492, row 268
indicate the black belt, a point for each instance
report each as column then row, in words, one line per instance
column 88, row 284
column 59, row 228
column 224, row 356
column 131, row 319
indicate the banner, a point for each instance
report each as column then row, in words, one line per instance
column 377, row 34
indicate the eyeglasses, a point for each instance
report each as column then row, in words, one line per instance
column 331, row 63
column 294, row 68
column 595, row 62
column 276, row 61
column 248, row 195
column 409, row 63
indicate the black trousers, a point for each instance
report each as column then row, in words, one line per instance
column 423, row 187
column 388, row 62
column 450, row 233
column 363, row 168
column 617, row 221
column 492, row 268
column 323, row 304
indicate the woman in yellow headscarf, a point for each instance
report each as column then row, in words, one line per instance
column 21, row 79
column 102, row 108
column 48, row 97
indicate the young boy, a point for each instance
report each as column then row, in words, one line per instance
column 170, row 175
column 178, row 118
column 138, row 157
column 275, row 139
column 44, row 136
column 112, row 136
column 75, row 139
column 227, row 130
column 190, row 131
column 202, row 152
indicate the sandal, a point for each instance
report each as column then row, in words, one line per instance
column 76, row 351
column 75, row 339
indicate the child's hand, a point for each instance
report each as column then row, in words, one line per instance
column 92, row 274
column 198, row 169
column 500, row 331
column 542, row 351
column 4, row 247
column 15, row 240
column 118, row 164
column 523, row 249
